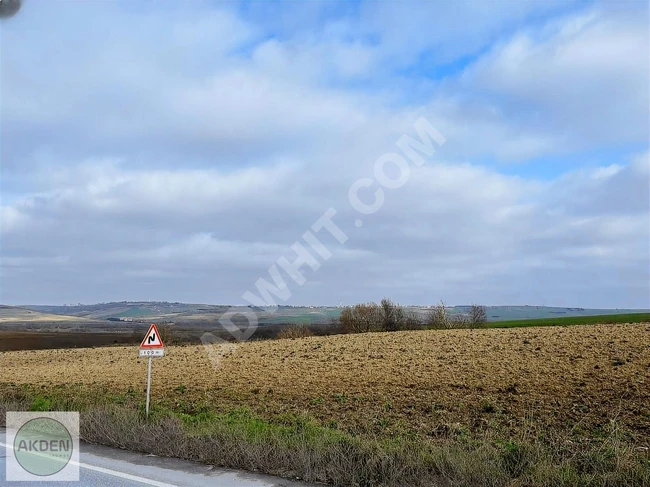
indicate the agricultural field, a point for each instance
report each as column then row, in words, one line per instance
column 12, row 314
column 427, row 387
column 418, row 380
column 573, row 320
column 185, row 313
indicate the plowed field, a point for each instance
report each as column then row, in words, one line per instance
column 418, row 380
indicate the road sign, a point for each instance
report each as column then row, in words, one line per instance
column 151, row 352
column 151, row 346
column 152, row 339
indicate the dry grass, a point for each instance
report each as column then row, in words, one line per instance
column 294, row 331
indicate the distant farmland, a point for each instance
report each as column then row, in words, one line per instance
column 183, row 313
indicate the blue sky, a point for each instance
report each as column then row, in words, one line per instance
column 176, row 150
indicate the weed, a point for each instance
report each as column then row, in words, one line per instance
column 340, row 398
column 487, row 406
column 514, row 458
column 41, row 404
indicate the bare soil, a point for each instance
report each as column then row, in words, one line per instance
column 424, row 381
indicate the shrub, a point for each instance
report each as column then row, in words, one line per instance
column 295, row 331
column 361, row 318
column 387, row 316
column 460, row 321
column 412, row 321
column 393, row 316
column 438, row 317
column 477, row 315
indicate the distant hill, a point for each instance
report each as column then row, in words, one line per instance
column 138, row 310
column 193, row 313
column 12, row 314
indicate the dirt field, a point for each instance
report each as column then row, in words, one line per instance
column 420, row 380
column 10, row 314
column 12, row 340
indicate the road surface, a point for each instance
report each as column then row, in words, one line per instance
column 102, row 466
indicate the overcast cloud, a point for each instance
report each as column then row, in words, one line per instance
column 175, row 150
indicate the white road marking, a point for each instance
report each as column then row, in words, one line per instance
column 114, row 473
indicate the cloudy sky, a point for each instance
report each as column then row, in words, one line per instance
column 176, row 150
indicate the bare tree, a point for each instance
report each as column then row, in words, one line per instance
column 393, row 315
column 438, row 317
column 460, row 320
column 386, row 316
column 477, row 315
column 412, row 321
column 361, row 318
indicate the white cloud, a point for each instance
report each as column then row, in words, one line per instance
column 455, row 224
column 582, row 82
column 206, row 152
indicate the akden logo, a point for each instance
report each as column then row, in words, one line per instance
column 42, row 446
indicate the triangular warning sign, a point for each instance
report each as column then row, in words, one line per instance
column 152, row 338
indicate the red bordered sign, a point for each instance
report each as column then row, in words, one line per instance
column 152, row 344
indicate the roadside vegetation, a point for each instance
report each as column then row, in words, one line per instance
column 298, row 446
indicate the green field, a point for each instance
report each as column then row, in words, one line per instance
column 573, row 320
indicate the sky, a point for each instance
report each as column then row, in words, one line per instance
column 179, row 151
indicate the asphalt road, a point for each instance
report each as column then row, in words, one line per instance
column 108, row 467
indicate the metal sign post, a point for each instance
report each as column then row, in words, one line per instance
column 151, row 346
column 148, row 383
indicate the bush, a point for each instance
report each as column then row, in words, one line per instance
column 477, row 315
column 393, row 316
column 412, row 321
column 460, row 321
column 361, row 318
column 438, row 317
column 295, row 331
column 387, row 316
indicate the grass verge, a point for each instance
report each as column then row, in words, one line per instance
column 300, row 447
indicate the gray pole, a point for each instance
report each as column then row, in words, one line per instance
column 148, row 384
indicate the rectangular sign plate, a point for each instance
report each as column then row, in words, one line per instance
column 152, row 352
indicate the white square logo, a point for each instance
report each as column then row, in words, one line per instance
column 42, row 446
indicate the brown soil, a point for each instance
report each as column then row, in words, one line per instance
column 12, row 340
column 419, row 380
